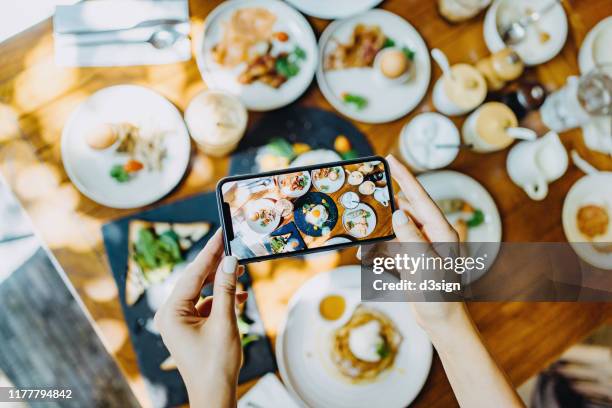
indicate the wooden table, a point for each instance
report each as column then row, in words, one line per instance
column 36, row 98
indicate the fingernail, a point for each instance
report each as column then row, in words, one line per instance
column 400, row 218
column 229, row 264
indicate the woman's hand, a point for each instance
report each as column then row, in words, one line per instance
column 202, row 335
column 472, row 372
column 419, row 219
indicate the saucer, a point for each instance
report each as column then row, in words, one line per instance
column 531, row 51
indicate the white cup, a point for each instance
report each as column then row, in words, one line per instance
column 472, row 137
column 532, row 165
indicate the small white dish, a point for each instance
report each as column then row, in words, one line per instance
column 594, row 188
column 531, row 51
column 451, row 184
column 382, row 196
column 383, row 104
column 258, row 205
column 586, row 61
column 333, row 10
column 258, row 96
column 349, row 215
column 305, row 364
column 89, row 169
column 349, row 200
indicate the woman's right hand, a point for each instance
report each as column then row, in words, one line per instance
column 419, row 219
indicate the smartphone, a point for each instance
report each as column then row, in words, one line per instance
column 308, row 209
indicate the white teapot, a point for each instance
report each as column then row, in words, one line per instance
column 532, row 165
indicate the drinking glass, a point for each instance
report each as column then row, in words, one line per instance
column 579, row 100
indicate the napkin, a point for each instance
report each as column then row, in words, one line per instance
column 93, row 19
column 269, row 392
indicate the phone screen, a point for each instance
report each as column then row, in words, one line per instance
column 306, row 209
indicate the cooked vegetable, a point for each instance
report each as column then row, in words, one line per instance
column 287, row 65
column 359, row 101
column 133, row 166
column 409, row 53
column 118, row 173
column 389, row 42
column 477, row 219
column 281, row 147
column 154, row 251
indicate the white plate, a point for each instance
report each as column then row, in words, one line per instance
column 297, row 193
column 89, row 169
column 591, row 189
column 258, row 96
column 336, row 241
column 257, row 205
column 317, row 156
column 305, row 364
column 451, row 184
column 371, row 220
column 585, row 55
column 531, row 51
column 328, row 186
column 332, row 10
column 385, row 103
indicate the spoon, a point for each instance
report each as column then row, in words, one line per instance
column 516, row 31
column 442, row 61
column 454, row 146
column 521, row 133
column 160, row 39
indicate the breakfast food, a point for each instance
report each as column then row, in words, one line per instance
column 316, row 214
column 329, row 179
column 101, row 136
column 332, row 307
column 154, row 249
column 216, row 121
column 248, row 38
column 360, row 50
column 282, row 243
column 263, row 216
column 356, row 222
column 284, row 207
column 144, row 150
column 246, row 28
column 466, row 216
column 486, row 129
column 365, row 346
column 592, row 220
column 394, row 63
column 294, row 184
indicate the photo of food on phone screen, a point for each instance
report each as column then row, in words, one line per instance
column 308, row 209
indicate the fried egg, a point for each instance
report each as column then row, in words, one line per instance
column 317, row 215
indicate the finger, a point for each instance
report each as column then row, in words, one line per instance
column 204, row 306
column 405, row 229
column 420, row 205
column 190, row 284
column 224, row 289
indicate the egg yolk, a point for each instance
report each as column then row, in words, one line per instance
column 332, row 307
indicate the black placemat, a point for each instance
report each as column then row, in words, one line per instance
column 150, row 350
column 316, row 127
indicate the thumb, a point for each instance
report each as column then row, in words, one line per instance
column 405, row 229
column 224, row 289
